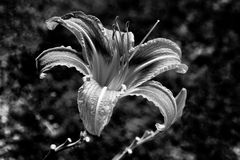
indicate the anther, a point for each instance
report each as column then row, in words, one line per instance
column 116, row 19
column 127, row 26
column 114, row 30
column 117, row 25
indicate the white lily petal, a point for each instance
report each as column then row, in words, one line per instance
column 87, row 29
column 112, row 63
column 153, row 58
column 95, row 104
column 76, row 30
column 63, row 56
column 181, row 100
column 161, row 97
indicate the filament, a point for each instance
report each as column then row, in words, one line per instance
column 144, row 39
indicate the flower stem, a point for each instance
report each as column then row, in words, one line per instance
column 66, row 145
column 147, row 136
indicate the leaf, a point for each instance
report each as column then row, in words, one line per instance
column 63, row 56
column 95, row 104
column 152, row 58
column 162, row 98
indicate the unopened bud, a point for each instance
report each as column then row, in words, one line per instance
column 87, row 139
column 43, row 75
column 137, row 139
column 129, row 151
column 53, row 146
column 159, row 127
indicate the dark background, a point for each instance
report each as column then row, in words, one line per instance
column 35, row 113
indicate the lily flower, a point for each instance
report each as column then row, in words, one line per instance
column 114, row 68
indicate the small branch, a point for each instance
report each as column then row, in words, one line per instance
column 147, row 136
column 67, row 144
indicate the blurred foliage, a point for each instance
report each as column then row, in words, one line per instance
column 36, row 113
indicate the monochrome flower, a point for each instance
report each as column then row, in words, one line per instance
column 114, row 68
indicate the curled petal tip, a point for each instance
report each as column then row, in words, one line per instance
column 180, row 101
column 51, row 24
column 183, row 68
column 184, row 90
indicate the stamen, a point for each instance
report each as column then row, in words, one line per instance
column 116, row 19
column 126, row 28
column 144, row 39
column 118, row 41
column 114, row 31
column 125, row 53
column 116, row 23
column 119, row 30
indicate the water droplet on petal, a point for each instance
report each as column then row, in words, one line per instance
column 86, row 78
